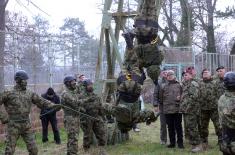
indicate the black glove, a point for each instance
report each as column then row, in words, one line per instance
column 129, row 39
column 5, row 121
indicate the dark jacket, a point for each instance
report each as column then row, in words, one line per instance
column 55, row 99
column 168, row 97
column 156, row 94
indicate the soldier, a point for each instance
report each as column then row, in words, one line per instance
column 226, row 108
column 219, row 81
column 18, row 103
column 159, row 107
column 170, row 98
column 191, row 110
column 193, row 71
column 209, row 107
column 80, row 79
column 71, row 101
column 89, row 125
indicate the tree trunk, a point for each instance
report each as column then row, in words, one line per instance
column 3, row 4
column 184, row 35
column 210, row 28
column 232, row 52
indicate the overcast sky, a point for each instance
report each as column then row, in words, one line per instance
column 87, row 10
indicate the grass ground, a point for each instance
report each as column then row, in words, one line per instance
column 146, row 142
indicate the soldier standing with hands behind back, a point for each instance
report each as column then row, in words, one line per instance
column 209, row 107
column 190, row 108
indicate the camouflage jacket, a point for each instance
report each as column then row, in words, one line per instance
column 226, row 108
column 169, row 94
column 189, row 98
column 80, row 87
column 18, row 103
column 74, row 99
column 219, row 87
column 207, row 95
column 196, row 79
column 71, row 99
column 93, row 108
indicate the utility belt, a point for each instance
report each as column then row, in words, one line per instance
column 19, row 118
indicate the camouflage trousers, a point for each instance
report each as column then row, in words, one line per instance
column 206, row 115
column 192, row 122
column 14, row 131
column 113, row 134
column 92, row 126
column 83, row 127
column 72, row 125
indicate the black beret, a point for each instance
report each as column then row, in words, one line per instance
column 220, row 67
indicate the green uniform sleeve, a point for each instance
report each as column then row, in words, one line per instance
column 3, row 114
column 41, row 102
column 68, row 100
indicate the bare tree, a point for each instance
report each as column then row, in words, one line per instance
column 178, row 22
column 186, row 25
column 3, row 4
column 204, row 11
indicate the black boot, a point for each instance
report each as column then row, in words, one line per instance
column 181, row 146
column 171, row 146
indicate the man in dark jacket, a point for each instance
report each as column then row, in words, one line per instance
column 159, row 107
column 170, row 99
column 49, row 115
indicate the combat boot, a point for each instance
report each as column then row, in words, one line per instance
column 205, row 146
column 102, row 151
column 196, row 148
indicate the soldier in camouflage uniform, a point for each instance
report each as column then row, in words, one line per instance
column 71, row 99
column 209, row 107
column 89, row 125
column 145, row 54
column 226, row 108
column 80, row 78
column 193, row 71
column 219, row 83
column 191, row 110
column 18, row 103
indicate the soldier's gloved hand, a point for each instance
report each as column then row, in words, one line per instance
column 5, row 121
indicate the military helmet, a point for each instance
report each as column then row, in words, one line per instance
column 229, row 80
column 21, row 74
column 69, row 79
column 87, row 82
